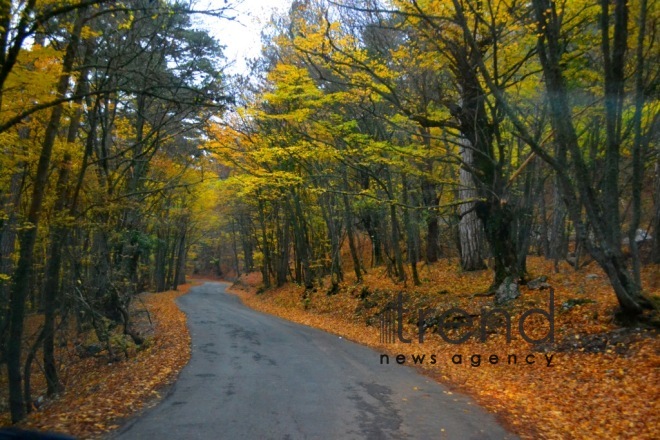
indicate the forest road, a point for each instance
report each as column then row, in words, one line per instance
column 255, row 376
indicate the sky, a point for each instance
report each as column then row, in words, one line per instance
column 242, row 36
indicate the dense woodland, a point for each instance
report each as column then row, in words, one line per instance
column 104, row 108
column 368, row 134
column 488, row 129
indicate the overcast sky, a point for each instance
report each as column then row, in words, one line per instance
column 242, row 37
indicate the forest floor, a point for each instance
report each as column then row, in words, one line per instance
column 99, row 394
column 597, row 380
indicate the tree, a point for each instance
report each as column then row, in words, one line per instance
column 599, row 228
column 363, row 116
column 125, row 106
column 602, row 210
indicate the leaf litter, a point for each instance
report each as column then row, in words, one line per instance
column 604, row 380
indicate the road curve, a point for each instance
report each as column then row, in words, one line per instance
column 255, row 376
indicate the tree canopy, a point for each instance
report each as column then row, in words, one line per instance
column 378, row 133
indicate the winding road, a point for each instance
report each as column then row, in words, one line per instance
column 255, row 376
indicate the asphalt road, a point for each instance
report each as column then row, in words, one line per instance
column 255, row 376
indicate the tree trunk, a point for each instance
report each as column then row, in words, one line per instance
column 558, row 240
column 7, row 247
column 160, row 262
column 265, row 268
column 498, row 219
column 171, row 264
column 655, row 250
column 410, row 233
column 524, row 219
column 372, row 226
column 246, row 243
column 470, row 229
column 639, row 147
column 430, row 200
column 301, row 239
column 234, row 249
column 333, row 225
column 283, row 243
column 348, row 218
column 606, row 246
column 485, row 168
column 613, row 69
column 395, row 233
column 27, row 371
column 544, row 242
column 59, row 234
column 28, row 236
column 52, row 281
column 180, row 272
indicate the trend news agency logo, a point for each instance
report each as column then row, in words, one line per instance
column 391, row 323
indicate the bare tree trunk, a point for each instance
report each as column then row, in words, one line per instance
column 470, row 229
column 180, row 272
column 395, row 233
column 301, row 239
column 544, row 242
column 525, row 216
column 160, row 262
column 638, row 148
column 52, row 281
column 372, row 224
column 558, row 239
column 282, row 259
column 410, row 233
column 171, row 266
column 246, row 243
column 430, row 199
column 265, row 268
column 348, row 216
column 333, row 225
column 613, row 69
column 7, row 247
column 234, row 248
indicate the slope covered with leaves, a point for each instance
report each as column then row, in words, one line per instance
column 602, row 381
column 98, row 393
